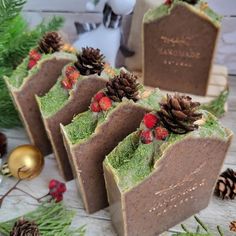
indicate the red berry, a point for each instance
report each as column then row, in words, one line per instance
column 146, row 136
column 70, row 69
column 61, row 188
column 95, row 107
column 53, row 183
column 66, row 84
column 168, row 2
column 31, row 64
column 59, row 197
column 35, row 55
column 73, row 76
column 150, row 120
column 105, row 103
column 161, row 133
column 99, row 96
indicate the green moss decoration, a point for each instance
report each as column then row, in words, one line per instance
column 16, row 39
column 81, row 127
column 51, row 218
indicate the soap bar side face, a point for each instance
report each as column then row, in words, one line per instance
column 24, row 99
column 181, row 186
column 178, row 50
column 78, row 102
column 88, row 156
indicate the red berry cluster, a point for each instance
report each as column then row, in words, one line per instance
column 100, row 102
column 168, row 2
column 56, row 190
column 34, row 57
column 72, row 75
column 153, row 129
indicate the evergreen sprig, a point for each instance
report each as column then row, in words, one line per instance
column 10, row 9
column 217, row 106
column 16, row 39
column 201, row 230
column 53, row 219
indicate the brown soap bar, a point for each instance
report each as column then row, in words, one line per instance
column 24, row 98
column 178, row 49
column 87, row 157
column 78, row 103
column 180, row 185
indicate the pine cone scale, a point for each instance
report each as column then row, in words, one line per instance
column 179, row 114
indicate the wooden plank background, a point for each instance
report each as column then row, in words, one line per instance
column 74, row 10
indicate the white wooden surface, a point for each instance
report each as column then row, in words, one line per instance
column 99, row 224
column 75, row 10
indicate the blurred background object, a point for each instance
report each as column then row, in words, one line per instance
column 91, row 11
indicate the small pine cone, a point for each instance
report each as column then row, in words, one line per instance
column 178, row 114
column 3, row 144
column 226, row 185
column 90, row 61
column 232, row 226
column 50, row 43
column 123, row 85
column 192, row 2
column 25, row 228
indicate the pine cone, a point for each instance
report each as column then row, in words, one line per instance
column 90, row 61
column 232, row 226
column 192, row 2
column 50, row 43
column 25, row 228
column 226, row 185
column 123, row 85
column 178, row 114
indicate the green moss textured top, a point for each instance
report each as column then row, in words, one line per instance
column 85, row 124
column 57, row 97
column 132, row 161
column 164, row 10
column 22, row 74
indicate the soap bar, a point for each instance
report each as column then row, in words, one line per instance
column 179, row 42
column 153, row 186
column 37, row 81
column 78, row 101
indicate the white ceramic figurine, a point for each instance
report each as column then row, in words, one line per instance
column 105, row 36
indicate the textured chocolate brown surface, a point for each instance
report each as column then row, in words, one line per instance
column 26, row 104
column 178, row 50
column 87, row 157
column 180, row 186
column 78, row 103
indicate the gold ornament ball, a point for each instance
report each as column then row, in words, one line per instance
column 25, row 162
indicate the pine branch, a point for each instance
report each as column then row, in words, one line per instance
column 10, row 8
column 15, row 42
column 51, row 218
column 217, row 106
column 200, row 227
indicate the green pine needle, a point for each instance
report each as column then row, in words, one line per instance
column 217, row 106
column 16, row 40
column 201, row 227
column 53, row 219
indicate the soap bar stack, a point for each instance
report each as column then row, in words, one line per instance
column 153, row 157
